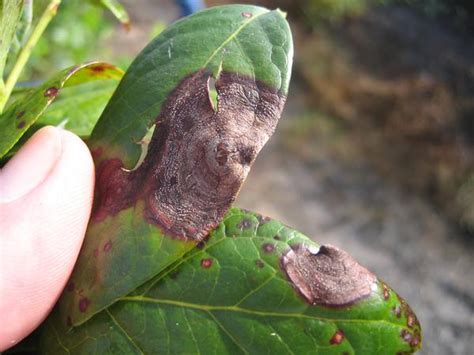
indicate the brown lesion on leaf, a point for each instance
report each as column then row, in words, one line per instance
column 337, row 338
column 198, row 158
column 51, row 92
column 328, row 277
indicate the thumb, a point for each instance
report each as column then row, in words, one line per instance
column 45, row 202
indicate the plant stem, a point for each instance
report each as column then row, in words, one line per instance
column 25, row 52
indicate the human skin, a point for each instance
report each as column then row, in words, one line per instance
column 46, row 193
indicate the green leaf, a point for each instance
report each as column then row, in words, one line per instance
column 79, row 108
column 132, row 237
column 9, row 17
column 117, row 9
column 24, row 112
column 233, row 295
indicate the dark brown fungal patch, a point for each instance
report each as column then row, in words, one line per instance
column 247, row 14
column 277, row 237
column 197, row 158
column 260, row 264
column 84, row 303
column 268, row 247
column 328, row 277
column 21, row 125
column 51, row 92
column 206, row 263
column 337, row 338
column 107, row 246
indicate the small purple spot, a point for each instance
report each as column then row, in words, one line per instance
column 245, row 224
column 268, row 247
column 200, row 245
column 51, row 92
column 107, row 246
column 247, row 14
column 206, row 263
column 21, row 125
column 70, row 287
column 84, row 303
column 260, row 264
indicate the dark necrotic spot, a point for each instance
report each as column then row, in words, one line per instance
column 206, row 263
column 328, row 277
column 51, row 92
column 386, row 292
column 20, row 114
column 262, row 219
column 337, row 338
column 21, row 125
column 84, row 303
column 200, row 245
column 268, row 247
column 70, row 286
column 260, row 264
column 245, row 224
column 406, row 335
column 397, row 311
column 277, row 237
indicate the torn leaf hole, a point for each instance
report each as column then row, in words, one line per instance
column 144, row 143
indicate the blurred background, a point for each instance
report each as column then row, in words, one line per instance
column 375, row 152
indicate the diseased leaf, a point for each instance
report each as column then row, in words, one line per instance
column 238, row 294
column 9, row 17
column 77, row 109
column 24, row 112
column 164, row 266
column 146, row 218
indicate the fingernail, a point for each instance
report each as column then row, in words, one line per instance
column 31, row 165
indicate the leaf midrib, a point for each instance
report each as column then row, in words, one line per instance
column 210, row 308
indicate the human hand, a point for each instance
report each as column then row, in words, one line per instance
column 46, row 193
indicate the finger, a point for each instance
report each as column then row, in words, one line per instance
column 45, row 202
